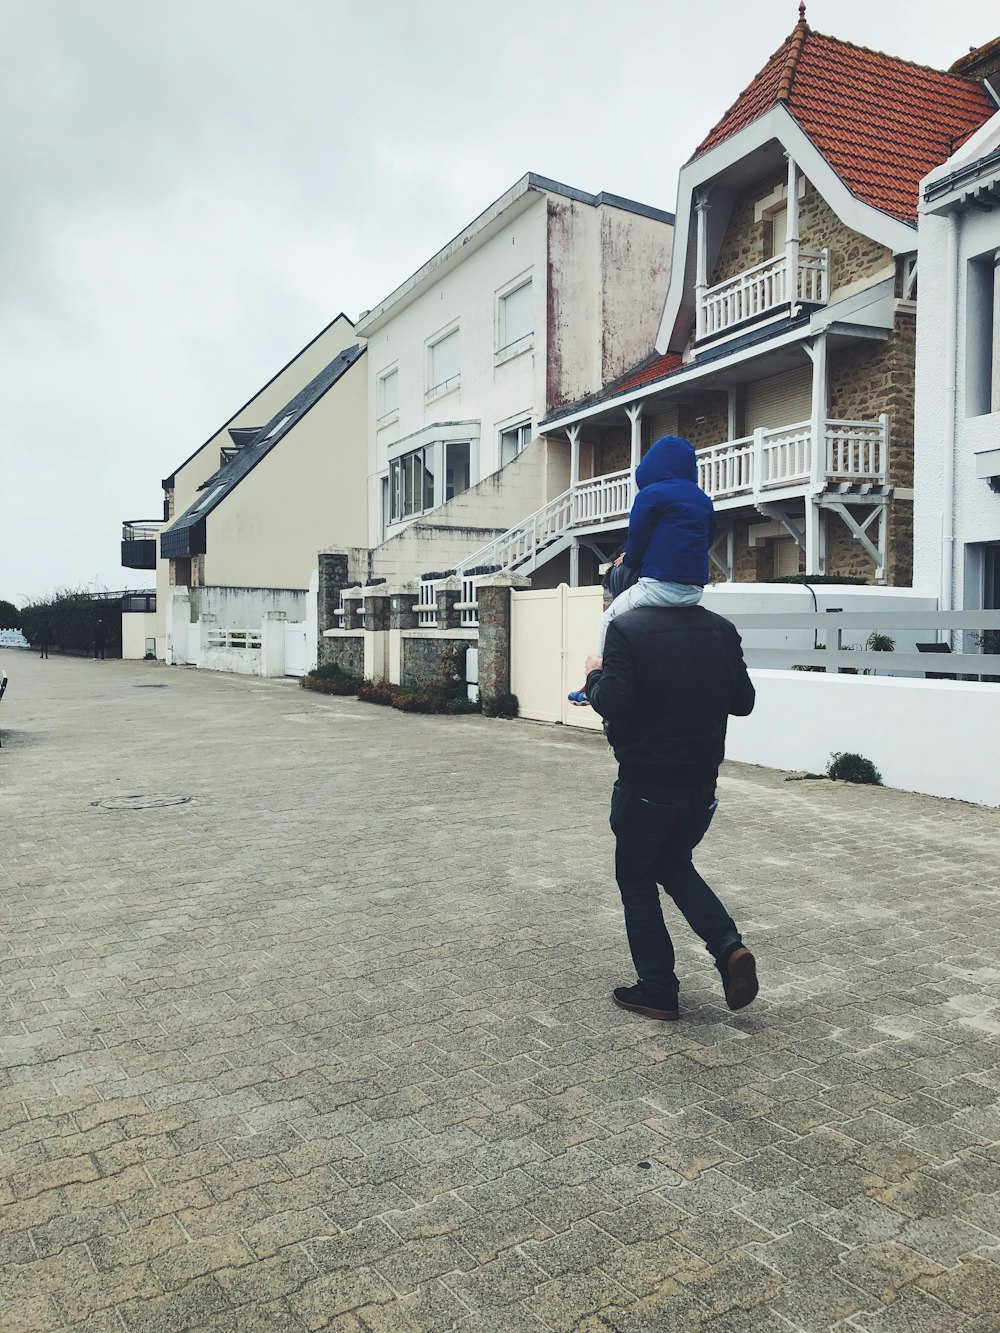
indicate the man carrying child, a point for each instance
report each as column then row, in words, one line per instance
column 667, row 676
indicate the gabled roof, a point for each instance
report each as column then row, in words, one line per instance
column 222, row 483
column 882, row 123
column 168, row 482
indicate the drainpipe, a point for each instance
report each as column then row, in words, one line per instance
column 951, row 406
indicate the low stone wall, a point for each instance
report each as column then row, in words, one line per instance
column 423, row 657
column 345, row 651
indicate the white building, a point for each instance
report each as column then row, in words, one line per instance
column 546, row 296
column 957, row 454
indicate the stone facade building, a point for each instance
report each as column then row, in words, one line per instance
column 786, row 348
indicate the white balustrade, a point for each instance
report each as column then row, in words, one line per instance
column 759, row 289
column 469, row 606
column 233, row 638
column 769, row 460
column 856, row 450
column 427, row 603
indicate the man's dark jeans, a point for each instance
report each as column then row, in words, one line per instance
column 656, row 829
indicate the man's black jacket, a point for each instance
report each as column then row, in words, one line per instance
column 671, row 677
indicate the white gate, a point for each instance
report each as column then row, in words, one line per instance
column 552, row 632
column 194, row 644
column 296, row 653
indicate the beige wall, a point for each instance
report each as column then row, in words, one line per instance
column 306, row 494
column 137, row 627
column 264, row 405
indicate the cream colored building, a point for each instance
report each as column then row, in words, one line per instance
column 542, row 299
column 248, row 511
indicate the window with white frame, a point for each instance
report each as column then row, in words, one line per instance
column 411, row 483
column 388, row 394
column 513, row 440
column 982, row 335
column 457, row 468
column 515, row 321
column 444, row 368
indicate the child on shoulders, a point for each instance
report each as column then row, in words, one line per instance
column 671, row 530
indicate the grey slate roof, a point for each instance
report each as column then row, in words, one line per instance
column 186, row 535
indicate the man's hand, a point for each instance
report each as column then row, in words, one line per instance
column 593, row 663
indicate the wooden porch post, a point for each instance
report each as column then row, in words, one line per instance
column 818, row 462
column 574, row 455
column 701, row 278
column 792, row 234
column 634, row 413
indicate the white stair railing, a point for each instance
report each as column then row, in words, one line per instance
column 770, row 459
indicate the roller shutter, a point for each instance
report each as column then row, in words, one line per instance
column 780, row 400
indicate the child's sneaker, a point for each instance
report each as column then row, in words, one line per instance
column 579, row 698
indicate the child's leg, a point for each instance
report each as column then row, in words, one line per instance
column 647, row 592
column 625, row 601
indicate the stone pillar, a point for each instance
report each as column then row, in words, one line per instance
column 332, row 579
column 402, row 615
column 272, row 644
column 449, row 592
column 354, row 610
column 177, row 619
column 493, row 596
column 376, row 623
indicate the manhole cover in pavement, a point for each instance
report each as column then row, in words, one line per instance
column 151, row 685
column 140, row 802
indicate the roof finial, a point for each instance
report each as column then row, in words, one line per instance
column 802, row 11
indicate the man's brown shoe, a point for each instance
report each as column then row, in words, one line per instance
column 639, row 1001
column 740, row 978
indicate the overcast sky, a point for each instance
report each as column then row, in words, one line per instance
column 190, row 191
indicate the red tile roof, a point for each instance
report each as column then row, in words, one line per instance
column 881, row 123
column 654, row 370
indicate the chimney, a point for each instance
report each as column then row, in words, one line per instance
column 982, row 65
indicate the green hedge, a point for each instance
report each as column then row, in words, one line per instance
column 73, row 617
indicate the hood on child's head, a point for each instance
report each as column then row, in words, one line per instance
column 669, row 459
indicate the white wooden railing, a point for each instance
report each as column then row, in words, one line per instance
column 769, row 460
column 853, row 451
column 468, row 607
column 758, row 290
column 249, row 639
column 427, row 610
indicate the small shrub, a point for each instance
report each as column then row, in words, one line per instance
column 499, row 705
column 377, row 692
column 817, row 579
column 332, row 679
column 848, row 767
column 880, row 643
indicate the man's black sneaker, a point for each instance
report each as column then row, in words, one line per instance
column 739, row 978
column 639, row 1001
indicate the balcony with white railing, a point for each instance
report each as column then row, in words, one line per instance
column 767, row 465
column 758, row 291
column 788, row 459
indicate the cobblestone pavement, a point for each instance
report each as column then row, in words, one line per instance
column 330, row 1046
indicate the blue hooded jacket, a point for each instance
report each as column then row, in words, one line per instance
column 672, row 524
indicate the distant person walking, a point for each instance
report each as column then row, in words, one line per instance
column 100, row 639
column 669, row 679
column 43, row 637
